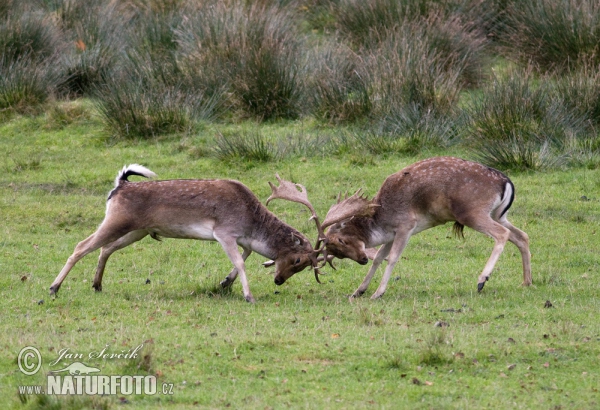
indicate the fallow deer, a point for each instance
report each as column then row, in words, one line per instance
column 219, row 210
column 423, row 195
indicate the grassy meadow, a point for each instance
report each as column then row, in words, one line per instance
column 335, row 95
column 432, row 341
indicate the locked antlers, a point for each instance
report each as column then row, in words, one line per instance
column 356, row 205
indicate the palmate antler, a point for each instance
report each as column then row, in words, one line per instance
column 355, row 205
column 289, row 191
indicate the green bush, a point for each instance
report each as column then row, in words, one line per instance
column 554, row 34
column 359, row 20
column 515, row 125
column 407, row 70
column 26, row 84
column 340, row 85
column 96, row 34
column 580, row 90
column 251, row 49
column 29, row 33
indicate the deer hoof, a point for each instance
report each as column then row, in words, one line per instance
column 376, row 296
column 480, row 286
column 225, row 283
column 357, row 294
column 54, row 290
column 250, row 299
column 97, row 288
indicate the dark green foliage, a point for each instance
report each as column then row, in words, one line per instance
column 96, row 34
column 340, row 85
column 242, row 146
column 580, row 91
column 554, row 34
column 25, row 84
column 253, row 51
column 517, row 125
column 359, row 20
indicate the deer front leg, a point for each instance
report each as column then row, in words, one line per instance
column 230, row 247
column 400, row 241
column 382, row 253
column 228, row 281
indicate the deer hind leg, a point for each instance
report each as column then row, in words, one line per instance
column 382, row 253
column 228, row 281
column 486, row 225
column 103, row 236
column 230, row 247
column 400, row 241
column 111, row 248
column 521, row 240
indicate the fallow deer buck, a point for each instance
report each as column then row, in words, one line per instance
column 225, row 211
column 423, row 195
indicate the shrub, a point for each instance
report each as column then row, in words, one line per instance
column 340, row 86
column 421, row 129
column 358, row 20
column 245, row 146
column 553, row 34
column 96, row 34
column 580, row 91
column 516, row 125
column 407, row 70
column 29, row 33
column 26, row 84
column 252, row 49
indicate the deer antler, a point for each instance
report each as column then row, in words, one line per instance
column 289, row 191
column 356, row 205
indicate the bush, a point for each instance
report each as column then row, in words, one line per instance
column 554, row 34
column 29, row 33
column 26, row 84
column 514, row 125
column 580, row 91
column 251, row 49
column 359, row 20
column 137, row 102
column 340, row 85
column 96, row 34
column 407, row 70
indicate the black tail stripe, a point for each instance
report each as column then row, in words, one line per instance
column 129, row 173
column 512, row 197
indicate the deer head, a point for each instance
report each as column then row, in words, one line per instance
column 356, row 205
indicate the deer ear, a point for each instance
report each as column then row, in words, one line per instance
column 297, row 240
column 268, row 263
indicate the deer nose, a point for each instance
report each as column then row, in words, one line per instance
column 279, row 280
column 364, row 261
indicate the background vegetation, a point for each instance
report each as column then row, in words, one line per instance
column 336, row 95
column 515, row 84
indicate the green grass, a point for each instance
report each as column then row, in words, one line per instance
column 302, row 345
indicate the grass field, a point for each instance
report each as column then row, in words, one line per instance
column 432, row 341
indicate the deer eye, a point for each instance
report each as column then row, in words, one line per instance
column 341, row 241
column 297, row 261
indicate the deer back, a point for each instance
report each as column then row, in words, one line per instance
column 440, row 189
